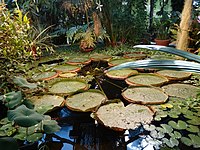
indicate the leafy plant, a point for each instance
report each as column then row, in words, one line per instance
column 22, row 121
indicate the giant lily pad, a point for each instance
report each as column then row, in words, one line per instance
column 47, row 101
column 24, row 117
column 45, row 75
column 181, row 90
column 180, row 125
column 85, row 101
column 145, row 95
column 121, row 74
column 66, row 68
column 146, row 79
column 118, row 117
column 79, row 61
column 98, row 57
column 68, row 86
column 135, row 56
column 115, row 62
column 174, row 75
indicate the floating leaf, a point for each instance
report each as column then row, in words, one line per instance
column 145, row 95
column 78, row 60
column 195, row 140
column 149, row 127
column 175, row 135
column 68, row 86
column 181, row 90
column 45, row 75
column 85, row 101
column 45, row 101
column 194, row 120
column 120, row 74
column 166, row 105
column 167, row 128
column 181, row 125
column 118, row 117
column 13, row 99
column 146, row 79
column 186, row 141
column 67, row 68
column 22, row 82
column 24, row 117
column 174, row 75
column 50, row 126
column 157, row 135
column 34, row 137
column 193, row 128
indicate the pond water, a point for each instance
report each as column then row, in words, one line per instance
column 80, row 132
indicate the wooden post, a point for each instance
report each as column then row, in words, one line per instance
column 183, row 32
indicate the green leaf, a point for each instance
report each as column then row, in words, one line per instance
column 22, row 82
column 157, row 135
column 186, row 141
column 192, row 128
column 50, row 126
column 194, row 120
column 167, row 128
column 171, row 142
column 195, row 140
column 34, row 137
column 13, row 99
column 149, row 127
column 175, row 135
column 24, row 117
column 181, row 125
column 8, row 143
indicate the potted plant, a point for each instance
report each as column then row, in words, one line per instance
column 163, row 32
column 86, row 36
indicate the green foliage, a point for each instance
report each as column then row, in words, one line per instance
column 125, row 21
column 86, row 36
column 14, row 30
column 24, row 116
column 22, row 82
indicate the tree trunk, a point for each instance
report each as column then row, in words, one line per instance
column 183, row 33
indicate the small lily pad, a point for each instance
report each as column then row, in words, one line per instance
column 186, row 141
column 192, row 128
column 181, row 125
column 149, row 127
column 50, row 126
column 167, row 128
